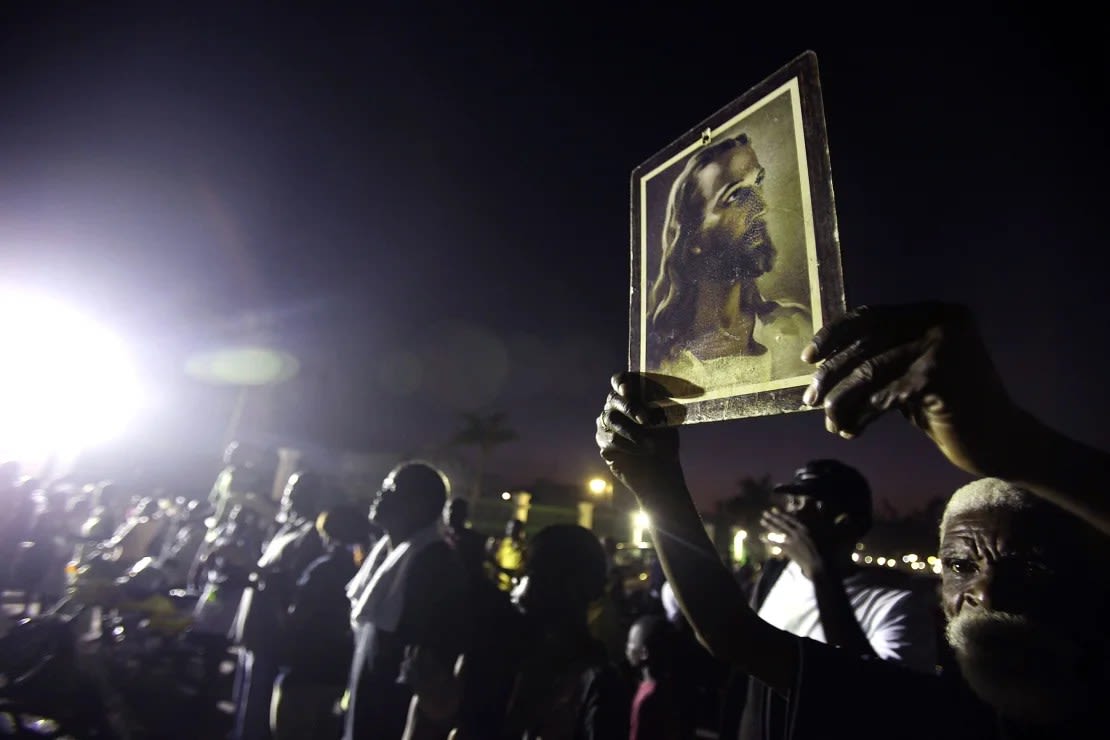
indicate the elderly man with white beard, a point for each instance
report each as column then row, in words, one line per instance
column 1026, row 621
column 1023, row 548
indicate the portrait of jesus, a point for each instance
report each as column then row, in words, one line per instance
column 729, row 287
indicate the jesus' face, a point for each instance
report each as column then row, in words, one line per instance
column 732, row 239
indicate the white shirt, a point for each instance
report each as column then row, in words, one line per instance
column 898, row 623
column 377, row 590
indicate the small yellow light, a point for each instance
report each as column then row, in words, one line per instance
column 640, row 524
column 776, row 537
column 598, row 486
column 881, row 561
column 855, row 557
column 738, row 545
column 776, row 550
column 506, row 496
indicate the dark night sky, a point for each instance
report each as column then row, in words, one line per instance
column 430, row 207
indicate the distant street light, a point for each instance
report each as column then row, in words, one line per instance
column 601, row 487
column 640, row 523
column 738, row 553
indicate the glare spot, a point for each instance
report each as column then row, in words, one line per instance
column 247, row 365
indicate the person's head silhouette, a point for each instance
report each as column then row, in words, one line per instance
column 411, row 498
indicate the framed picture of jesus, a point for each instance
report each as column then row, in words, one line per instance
column 735, row 256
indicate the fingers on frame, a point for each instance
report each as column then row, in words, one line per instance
column 630, row 407
column 905, row 321
column 615, row 429
column 617, row 402
column 835, row 368
column 627, row 378
column 870, row 388
column 833, row 337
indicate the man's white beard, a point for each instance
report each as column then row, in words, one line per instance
column 1027, row 671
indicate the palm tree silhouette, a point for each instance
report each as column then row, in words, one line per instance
column 484, row 431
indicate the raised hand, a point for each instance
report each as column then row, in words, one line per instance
column 640, row 451
column 926, row 360
column 809, row 549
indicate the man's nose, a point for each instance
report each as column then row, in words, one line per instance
column 995, row 589
column 977, row 593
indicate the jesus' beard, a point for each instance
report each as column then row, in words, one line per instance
column 1028, row 671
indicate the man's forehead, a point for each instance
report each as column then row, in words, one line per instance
column 1015, row 529
column 729, row 166
column 709, row 178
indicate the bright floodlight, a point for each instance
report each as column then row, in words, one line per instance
column 598, row 486
column 65, row 382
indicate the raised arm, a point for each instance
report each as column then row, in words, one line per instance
column 928, row 361
column 643, row 454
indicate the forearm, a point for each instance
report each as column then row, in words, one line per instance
column 1061, row 470
column 709, row 596
column 838, row 620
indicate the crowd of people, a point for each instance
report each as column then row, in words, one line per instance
column 399, row 620
column 385, row 616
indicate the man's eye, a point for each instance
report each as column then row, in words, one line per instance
column 736, row 196
column 960, row 566
column 1036, row 568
